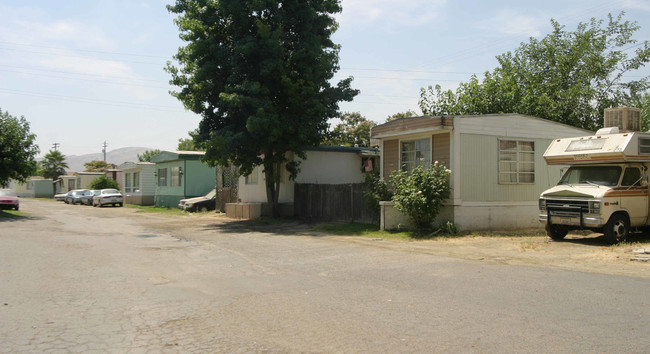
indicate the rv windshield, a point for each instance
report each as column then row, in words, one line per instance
column 601, row 175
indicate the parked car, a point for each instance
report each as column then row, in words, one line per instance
column 79, row 196
column 108, row 196
column 8, row 200
column 61, row 196
column 204, row 203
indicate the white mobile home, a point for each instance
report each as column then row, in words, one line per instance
column 138, row 182
column 496, row 162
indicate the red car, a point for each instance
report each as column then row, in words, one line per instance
column 8, row 200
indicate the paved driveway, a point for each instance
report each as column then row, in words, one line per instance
column 83, row 279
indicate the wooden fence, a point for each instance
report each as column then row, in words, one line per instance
column 333, row 203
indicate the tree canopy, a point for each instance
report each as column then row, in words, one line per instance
column 568, row 76
column 258, row 72
column 147, row 155
column 188, row 144
column 17, row 149
column 53, row 165
column 99, row 166
column 399, row 115
column 354, row 129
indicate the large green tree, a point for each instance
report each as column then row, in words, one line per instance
column 17, row 149
column 567, row 76
column 258, row 72
column 354, row 129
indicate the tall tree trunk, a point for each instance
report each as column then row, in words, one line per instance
column 272, row 180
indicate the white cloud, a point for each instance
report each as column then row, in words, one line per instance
column 511, row 23
column 390, row 13
column 636, row 4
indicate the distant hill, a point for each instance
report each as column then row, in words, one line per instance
column 117, row 156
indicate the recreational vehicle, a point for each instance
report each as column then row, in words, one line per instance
column 604, row 188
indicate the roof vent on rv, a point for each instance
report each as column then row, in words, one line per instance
column 625, row 118
column 607, row 131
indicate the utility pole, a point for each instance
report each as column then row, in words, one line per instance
column 104, row 151
column 56, row 146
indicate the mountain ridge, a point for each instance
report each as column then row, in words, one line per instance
column 117, row 156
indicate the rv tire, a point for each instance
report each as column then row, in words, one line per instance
column 617, row 228
column 556, row 232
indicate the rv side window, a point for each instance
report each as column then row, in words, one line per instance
column 631, row 177
column 644, row 145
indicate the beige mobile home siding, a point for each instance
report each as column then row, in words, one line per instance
column 479, row 171
column 441, row 149
column 391, row 156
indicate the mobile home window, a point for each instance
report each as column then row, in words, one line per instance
column 516, row 162
column 136, row 181
column 644, row 145
column 415, row 153
column 176, row 176
column 252, row 178
column 127, row 183
column 162, row 177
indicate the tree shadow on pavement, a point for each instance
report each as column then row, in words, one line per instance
column 11, row 215
column 280, row 227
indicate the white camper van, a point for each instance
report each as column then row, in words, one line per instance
column 605, row 187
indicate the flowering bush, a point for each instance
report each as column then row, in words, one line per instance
column 421, row 193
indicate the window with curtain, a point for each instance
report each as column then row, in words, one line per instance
column 415, row 153
column 516, row 162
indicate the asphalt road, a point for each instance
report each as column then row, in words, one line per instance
column 83, row 279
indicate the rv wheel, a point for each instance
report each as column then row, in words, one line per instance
column 556, row 232
column 617, row 228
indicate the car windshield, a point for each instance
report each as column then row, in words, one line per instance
column 600, row 175
column 110, row 191
column 7, row 194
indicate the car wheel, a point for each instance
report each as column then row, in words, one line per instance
column 16, row 208
column 203, row 209
column 617, row 228
column 556, row 232
column 119, row 204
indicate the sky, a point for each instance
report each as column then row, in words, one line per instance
column 87, row 72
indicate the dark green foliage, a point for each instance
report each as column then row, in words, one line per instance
column 147, row 155
column 567, row 77
column 103, row 182
column 17, row 149
column 376, row 190
column 421, row 193
column 258, row 72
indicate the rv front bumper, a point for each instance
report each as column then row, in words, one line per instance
column 588, row 221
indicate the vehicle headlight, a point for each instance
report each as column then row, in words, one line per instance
column 542, row 204
column 594, row 207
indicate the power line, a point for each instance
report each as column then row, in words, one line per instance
column 91, row 100
column 85, row 50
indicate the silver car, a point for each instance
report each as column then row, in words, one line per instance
column 108, row 196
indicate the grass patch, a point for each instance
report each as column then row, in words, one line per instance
column 13, row 214
column 156, row 210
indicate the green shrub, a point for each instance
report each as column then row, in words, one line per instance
column 421, row 193
column 376, row 190
column 103, row 182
